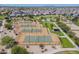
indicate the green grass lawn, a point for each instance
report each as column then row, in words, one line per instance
column 65, row 43
column 68, row 52
column 2, row 17
column 59, row 33
column 48, row 25
column 77, row 23
column 45, row 17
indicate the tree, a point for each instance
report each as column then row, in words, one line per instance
column 42, row 46
column 76, row 40
column 7, row 17
column 8, row 41
column 8, row 20
column 31, row 16
column 57, row 18
column 8, row 26
column 71, row 34
column 18, row 50
column 63, row 26
column 76, row 20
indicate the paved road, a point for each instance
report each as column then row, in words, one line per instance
column 65, row 35
column 37, row 50
column 73, row 26
column 62, row 49
column 1, row 28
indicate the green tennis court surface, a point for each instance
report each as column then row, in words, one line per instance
column 38, row 39
column 27, row 25
column 31, row 30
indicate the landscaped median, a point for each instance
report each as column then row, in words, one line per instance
column 65, row 43
column 58, row 33
column 68, row 31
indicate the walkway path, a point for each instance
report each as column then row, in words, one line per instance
column 65, row 35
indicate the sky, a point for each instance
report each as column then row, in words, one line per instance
column 39, row 5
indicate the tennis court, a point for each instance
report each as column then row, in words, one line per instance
column 30, row 27
column 34, row 33
column 27, row 25
column 38, row 39
column 31, row 30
